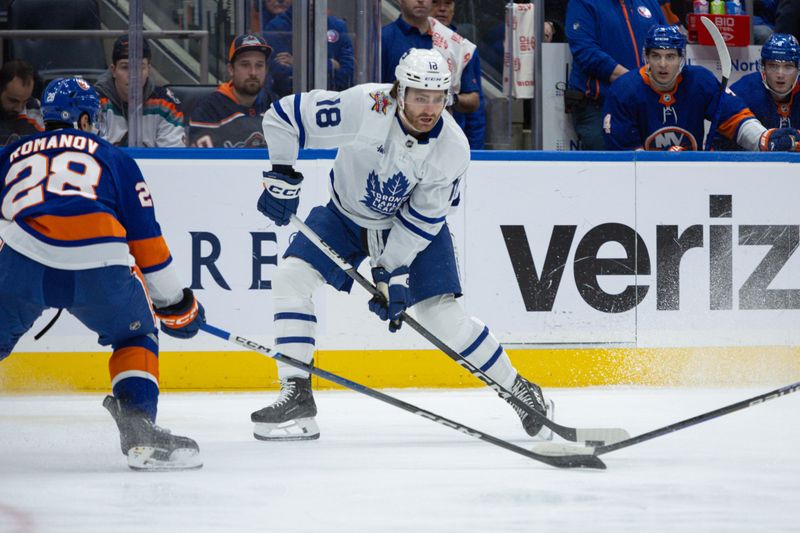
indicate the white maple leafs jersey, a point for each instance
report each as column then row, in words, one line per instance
column 382, row 176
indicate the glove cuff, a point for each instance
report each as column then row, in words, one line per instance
column 287, row 170
column 763, row 143
column 179, row 314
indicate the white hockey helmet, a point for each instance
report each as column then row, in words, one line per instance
column 422, row 69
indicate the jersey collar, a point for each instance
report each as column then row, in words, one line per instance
column 425, row 137
column 666, row 98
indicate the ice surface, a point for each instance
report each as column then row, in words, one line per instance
column 377, row 468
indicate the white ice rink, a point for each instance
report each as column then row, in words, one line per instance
column 377, row 468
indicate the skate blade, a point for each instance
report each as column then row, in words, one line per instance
column 141, row 458
column 546, row 434
column 297, row 429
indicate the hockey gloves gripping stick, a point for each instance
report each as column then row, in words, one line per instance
column 182, row 319
column 573, row 459
column 281, row 194
column 780, row 140
column 392, row 301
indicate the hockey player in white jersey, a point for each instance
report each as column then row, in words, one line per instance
column 397, row 173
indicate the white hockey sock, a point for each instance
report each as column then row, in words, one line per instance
column 444, row 317
column 295, row 323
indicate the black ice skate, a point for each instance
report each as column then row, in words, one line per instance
column 291, row 416
column 149, row 447
column 531, row 395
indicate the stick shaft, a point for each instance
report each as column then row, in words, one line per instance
column 699, row 419
column 574, row 461
column 569, row 433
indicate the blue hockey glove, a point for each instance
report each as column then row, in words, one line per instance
column 394, row 295
column 281, row 194
column 183, row 319
column 780, row 140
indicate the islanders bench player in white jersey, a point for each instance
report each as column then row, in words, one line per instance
column 400, row 162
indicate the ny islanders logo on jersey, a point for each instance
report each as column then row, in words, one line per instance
column 382, row 103
column 669, row 136
column 385, row 198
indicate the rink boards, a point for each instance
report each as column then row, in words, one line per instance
column 592, row 269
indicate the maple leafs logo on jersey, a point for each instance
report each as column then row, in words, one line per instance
column 382, row 103
column 385, row 198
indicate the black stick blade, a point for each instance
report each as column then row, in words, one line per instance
column 568, row 455
column 576, row 461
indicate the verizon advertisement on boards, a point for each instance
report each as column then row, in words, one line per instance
column 651, row 254
column 700, row 253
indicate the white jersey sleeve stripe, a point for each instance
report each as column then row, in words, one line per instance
column 281, row 113
column 412, row 228
column 420, row 216
column 298, row 118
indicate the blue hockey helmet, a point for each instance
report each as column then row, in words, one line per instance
column 665, row 37
column 66, row 99
column 781, row 47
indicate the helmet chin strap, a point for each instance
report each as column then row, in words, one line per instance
column 773, row 91
column 401, row 112
column 404, row 119
column 670, row 84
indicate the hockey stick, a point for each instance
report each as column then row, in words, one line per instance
column 591, row 435
column 576, row 460
column 722, row 411
column 725, row 65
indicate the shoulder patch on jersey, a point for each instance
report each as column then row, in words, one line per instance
column 643, row 11
column 381, row 102
column 172, row 95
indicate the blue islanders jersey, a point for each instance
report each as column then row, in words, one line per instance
column 761, row 102
column 73, row 201
column 638, row 116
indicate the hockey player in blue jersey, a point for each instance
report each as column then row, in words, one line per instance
column 770, row 93
column 663, row 105
column 78, row 232
column 396, row 175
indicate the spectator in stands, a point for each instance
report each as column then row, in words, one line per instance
column 764, row 12
column 21, row 114
column 787, row 17
column 341, row 59
column 162, row 118
column 663, row 105
column 265, row 11
column 414, row 28
column 553, row 32
column 474, row 123
column 230, row 117
column 770, row 93
column 606, row 39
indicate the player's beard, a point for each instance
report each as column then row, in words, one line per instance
column 250, row 87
